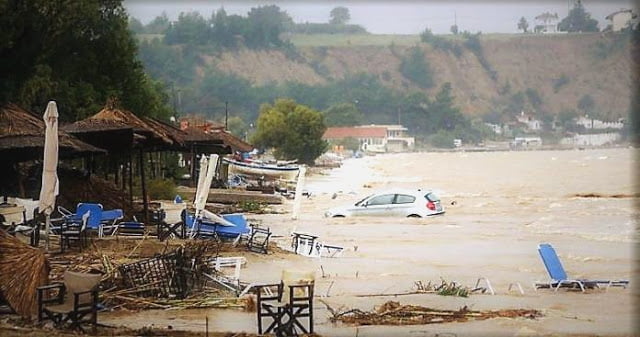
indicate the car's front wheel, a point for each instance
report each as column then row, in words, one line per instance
column 413, row 216
column 338, row 216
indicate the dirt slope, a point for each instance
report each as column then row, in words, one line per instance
column 522, row 61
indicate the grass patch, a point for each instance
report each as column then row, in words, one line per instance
column 344, row 40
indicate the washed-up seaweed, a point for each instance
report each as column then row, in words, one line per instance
column 393, row 313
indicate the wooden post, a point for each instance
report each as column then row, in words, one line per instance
column 143, row 185
column 130, row 179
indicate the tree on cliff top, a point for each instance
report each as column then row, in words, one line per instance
column 578, row 20
column 293, row 130
column 339, row 16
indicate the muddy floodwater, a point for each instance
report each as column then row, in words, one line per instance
column 499, row 207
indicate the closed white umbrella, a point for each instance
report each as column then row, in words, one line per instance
column 49, row 189
column 200, row 187
column 202, row 192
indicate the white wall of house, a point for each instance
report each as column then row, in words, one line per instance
column 598, row 139
column 588, row 123
column 620, row 20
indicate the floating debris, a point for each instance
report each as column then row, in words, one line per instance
column 393, row 313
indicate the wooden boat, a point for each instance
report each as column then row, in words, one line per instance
column 266, row 171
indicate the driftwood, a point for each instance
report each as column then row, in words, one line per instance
column 393, row 313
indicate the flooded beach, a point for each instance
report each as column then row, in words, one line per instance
column 499, row 207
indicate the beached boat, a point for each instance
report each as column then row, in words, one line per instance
column 267, row 171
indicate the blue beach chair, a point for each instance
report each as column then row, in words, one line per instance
column 241, row 226
column 559, row 278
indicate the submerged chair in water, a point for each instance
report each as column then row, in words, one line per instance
column 286, row 304
column 558, row 276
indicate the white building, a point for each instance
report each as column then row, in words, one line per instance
column 589, row 123
column 531, row 123
column 621, row 19
column 592, row 139
column 546, row 23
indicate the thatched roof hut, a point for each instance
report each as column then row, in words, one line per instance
column 22, row 137
column 229, row 139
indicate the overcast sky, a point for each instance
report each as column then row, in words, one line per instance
column 391, row 17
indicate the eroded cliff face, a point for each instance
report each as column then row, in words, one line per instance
column 589, row 64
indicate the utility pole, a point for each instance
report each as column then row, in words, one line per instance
column 226, row 114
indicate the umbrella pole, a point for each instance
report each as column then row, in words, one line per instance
column 46, row 230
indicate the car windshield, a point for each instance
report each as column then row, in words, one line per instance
column 432, row 197
column 363, row 199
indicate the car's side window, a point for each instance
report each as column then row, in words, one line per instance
column 384, row 199
column 404, row 199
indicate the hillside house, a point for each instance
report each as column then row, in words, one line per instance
column 546, row 23
column 622, row 19
column 530, row 122
column 374, row 138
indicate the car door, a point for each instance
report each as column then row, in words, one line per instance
column 403, row 205
column 378, row 205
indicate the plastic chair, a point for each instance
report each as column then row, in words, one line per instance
column 558, row 276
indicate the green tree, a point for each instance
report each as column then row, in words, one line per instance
column 443, row 114
column 238, row 127
column 265, row 24
column 578, row 20
column 158, row 25
column 415, row 67
column 343, row 114
column 534, row 97
column 523, row 25
column 454, row 29
column 79, row 53
column 339, row 16
column 294, row 131
column 191, row 28
column 136, row 26
column 587, row 105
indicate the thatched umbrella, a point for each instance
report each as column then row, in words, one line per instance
column 22, row 137
column 22, row 270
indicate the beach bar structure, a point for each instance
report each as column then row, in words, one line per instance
column 22, row 136
column 123, row 134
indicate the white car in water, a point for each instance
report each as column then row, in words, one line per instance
column 399, row 203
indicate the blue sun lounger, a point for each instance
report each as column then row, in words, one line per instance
column 559, row 278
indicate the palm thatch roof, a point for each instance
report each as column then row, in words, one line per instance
column 112, row 113
column 22, row 270
column 117, row 129
column 22, row 137
column 229, row 139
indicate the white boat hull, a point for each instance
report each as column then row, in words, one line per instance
column 269, row 172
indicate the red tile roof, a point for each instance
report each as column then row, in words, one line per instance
column 359, row 132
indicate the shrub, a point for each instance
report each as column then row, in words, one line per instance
column 560, row 82
column 161, row 189
column 443, row 139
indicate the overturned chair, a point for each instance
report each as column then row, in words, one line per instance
column 258, row 241
column 73, row 301
column 287, row 304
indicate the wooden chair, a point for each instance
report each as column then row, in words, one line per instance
column 74, row 232
column 73, row 302
column 286, row 304
column 259, row 239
